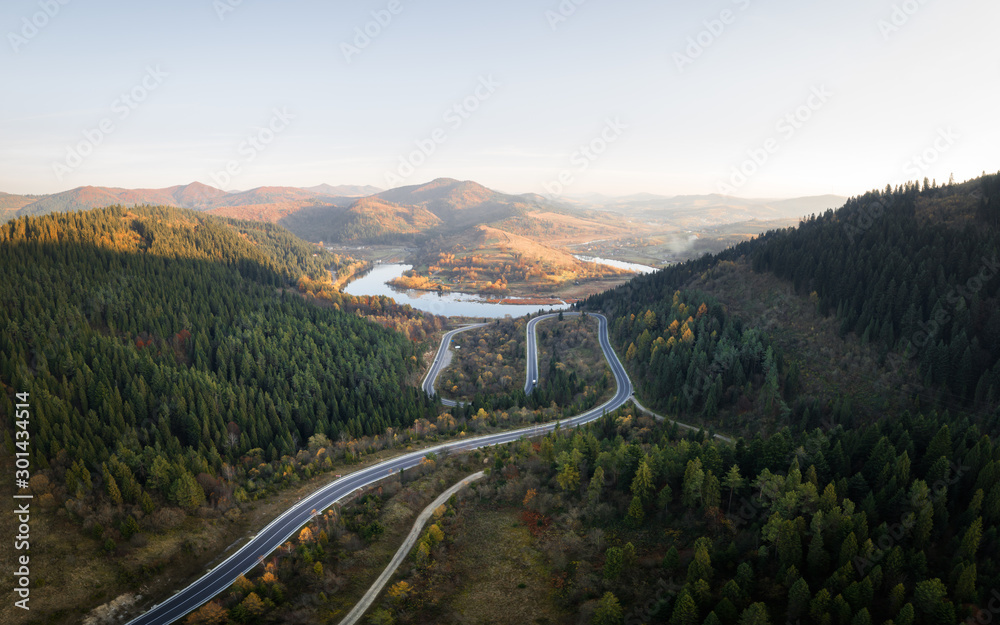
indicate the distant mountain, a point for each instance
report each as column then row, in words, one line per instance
column 369, row 220
column 462, row 203
column 81, row 198
column 10, row 204
column 265, row 195
column 344, row 190
column 272, row 202
column 197, row 195
column 698, row 211
column 194, row 195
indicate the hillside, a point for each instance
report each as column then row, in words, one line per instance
column 858, row 355
column 405, row 214
column 82, row 198
column 171, row 365
column 10, row 204
column 909, row 272
column 459, row 204
column 369, row 220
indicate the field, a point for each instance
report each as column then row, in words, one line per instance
column 492, row 262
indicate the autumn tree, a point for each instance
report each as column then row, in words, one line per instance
column 609, row 611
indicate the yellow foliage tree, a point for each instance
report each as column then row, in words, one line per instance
column 529, row 496
column 688, row 335
column 306, row 535
column 399, row 591
column 242, row 584
column 209, row 614
column 423, row 553
column 435, row 534
column 253, row 604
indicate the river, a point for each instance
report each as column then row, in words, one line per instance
column 620, row 264
column 446, row 304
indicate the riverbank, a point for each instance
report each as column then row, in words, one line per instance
column 449, row 303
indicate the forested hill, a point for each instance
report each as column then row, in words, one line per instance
column 911, row 270
column 898, row 519
column 159, row 344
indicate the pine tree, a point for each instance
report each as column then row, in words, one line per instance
column 971, row 540
column 734, row 482
column 636, row 514
column 642, row 484
column 609, row 611
column 694, row 480
column 756, row 614
column 685, row 610
column 595, row 487
column 110, row 485
column 614, row 561
column 798, row 599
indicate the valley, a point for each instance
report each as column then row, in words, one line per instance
column 500, row 313
column 610, row 508
column 462, row 237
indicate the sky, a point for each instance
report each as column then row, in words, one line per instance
column 752, row 98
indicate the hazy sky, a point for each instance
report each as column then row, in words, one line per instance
column 670, row 96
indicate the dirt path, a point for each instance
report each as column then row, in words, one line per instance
column 369, row 598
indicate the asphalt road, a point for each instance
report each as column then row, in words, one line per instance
column 531, row 374
column 285, row 526
column 441, row 361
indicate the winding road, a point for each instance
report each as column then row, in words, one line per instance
column 288, row 523
column 441, row 360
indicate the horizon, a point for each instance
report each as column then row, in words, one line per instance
column 734, row 97
column 581, row 195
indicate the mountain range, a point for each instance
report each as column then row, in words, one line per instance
column 352, row 213
column 196, row 196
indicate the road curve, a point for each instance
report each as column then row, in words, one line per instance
column 441, row 361
column 683, row 426
column 531, row 372
column 418, row 526
column 287, row 524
